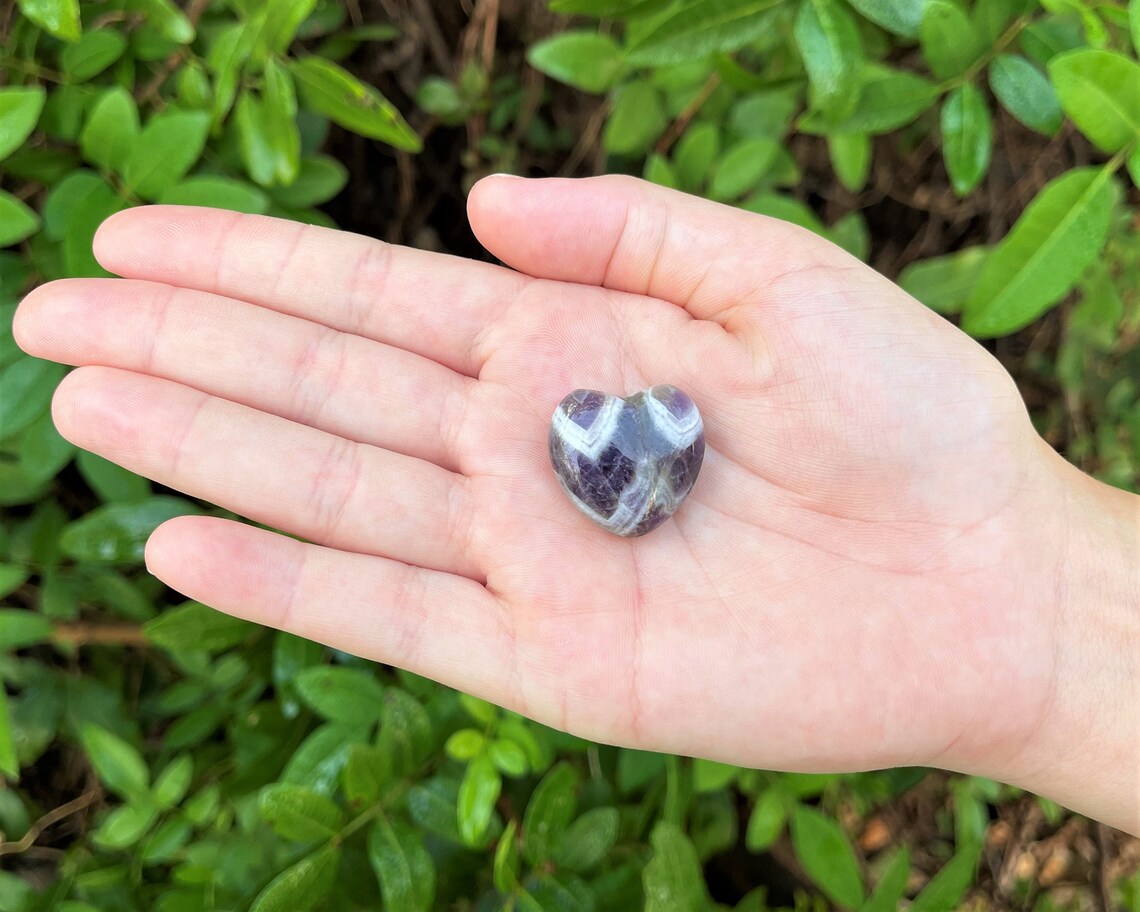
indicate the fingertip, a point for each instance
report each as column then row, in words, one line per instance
column 105, row 243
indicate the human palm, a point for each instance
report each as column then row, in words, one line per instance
column 840, row 590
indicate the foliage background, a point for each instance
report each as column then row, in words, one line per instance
column 984, row 155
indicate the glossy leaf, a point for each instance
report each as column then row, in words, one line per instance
column 432, row 805
column 826, row 854
column 298, row 813
column 477, row 796
column 1100, row 92
column 944, row 283
column 331, row 90
column 117, row 533
column 196, row 626
column 406, row 733
column 318, row 761
column 164, row 15
column 20, row 628
column 588, row 840
column 903, row 17
column 365, row 773
column 17, row 222
column 505, row 872
column 673, row 879
column 168, row 146
column 586, row 60
column 891, row 887
column 967, row 137
column 111, row 130
column 125, row 826
column 59, row 18
column 109, row 481
column 118, row 764
column 950, row 43
column 549, row 812
column 402, row 865
column 827, row 36
column 1026, row 93
column 300, row 887
column 700, row 29
column 465, row 744
column 20, row 108
column 1057, row 236
column 947, row 888
column 92, row 54
column 171, row 785
column 341, row 694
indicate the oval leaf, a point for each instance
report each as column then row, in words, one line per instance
column 118, row 764
column 117, row 533
column 20, row 109
column 967, row 137
column 1026, row 93
column 832, row 51
column 298, row 813
column 1100, row 91
column 826, row 854
column 700, row 29
column 673, row 879
column 300, row 887
column 583, row 59
column 403, row 866
column 549, row 812
column 192, row 625
column 477, row 796
column 165, row 150
column 341, row 694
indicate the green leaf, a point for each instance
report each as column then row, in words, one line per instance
column 170, row 21
column 711, row 776
column 509, row 758
column 673, row 879
column 12, row 577
column 480, row 710
column 299, row 814
column 588, row 840
column 365, row 773
column 505, row 872
column 165, row 150
column 944, row 283
column 832, row 51
column 9, row 762
column 92, row 54
column 889, row 99
column 226, row 58
column 110, row 481
column 117, row 533
column 56, row 17
column 1134, row 23
column 826, row 854
column 1057, row 236
column 111, row 130
column 638, row 116
column 291, row 654
column 659, row 171
column 477, row 796
column 73, row 211
column 318, row 762
column 171, row 785
column 1026, row 93
column 301, row 886
column 318, row 180
column 850, row 158
column 20, row 627
column 465, row 744
column 1100, row 91
column 17, row 222
column 695, row 153
column 767, row 821
column 903, row 17
column 950, row 43
column 330, row 90
column 217, row 192
column 700, row 29
column 585, row 60
column 26, row 388
column 341, row 694
column 742, row 166
column 192, row 625
column 125, row 826
column 403, row 866
column 549, row 812
column 406, row 733
column 432, row 805
column 20, row 108
column 947, row 888
column 117, row 764
column 282, row 20
column 892, row 886
column 1134, row 166
column 967, row 137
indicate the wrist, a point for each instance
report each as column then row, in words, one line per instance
column 1084, row 752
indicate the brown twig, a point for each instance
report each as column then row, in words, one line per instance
column 585, row 142
column 81, row 634
column 171, row 63
column 681, row 123
column 50, row 818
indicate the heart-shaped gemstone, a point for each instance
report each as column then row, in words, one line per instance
column 627, row 463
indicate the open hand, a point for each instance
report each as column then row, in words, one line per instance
column 861, row 576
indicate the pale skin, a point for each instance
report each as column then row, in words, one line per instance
column 880, row 564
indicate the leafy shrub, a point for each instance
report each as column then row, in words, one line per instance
column 218, row 765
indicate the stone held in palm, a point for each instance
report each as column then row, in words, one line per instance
column 627, row 463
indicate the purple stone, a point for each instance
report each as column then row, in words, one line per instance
column 627, row 463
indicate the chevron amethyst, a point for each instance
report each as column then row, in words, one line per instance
column 627, row 463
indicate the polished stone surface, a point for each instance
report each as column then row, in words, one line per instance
column 627, row 463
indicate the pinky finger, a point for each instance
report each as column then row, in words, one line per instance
column 435, row 624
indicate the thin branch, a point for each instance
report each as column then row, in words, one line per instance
column 49, row 819
column 81, row 634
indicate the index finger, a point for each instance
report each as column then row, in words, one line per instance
column 435, row 305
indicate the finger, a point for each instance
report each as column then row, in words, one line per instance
column 304, row 481
column 630, row 235
column 434, row 305
column 435, row 624
column 338, row 382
